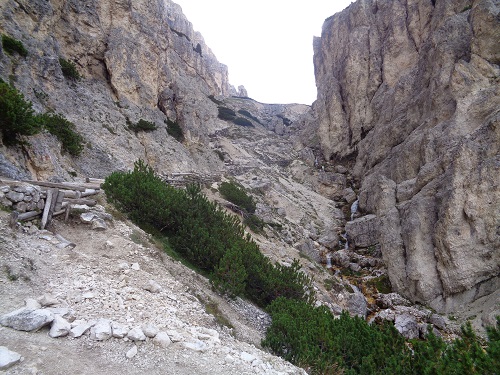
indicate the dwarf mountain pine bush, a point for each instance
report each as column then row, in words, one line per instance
column 11, row 45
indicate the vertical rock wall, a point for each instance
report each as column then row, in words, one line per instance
column 409, row 90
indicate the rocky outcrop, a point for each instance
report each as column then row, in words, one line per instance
column 138, row 60
column 408, row 96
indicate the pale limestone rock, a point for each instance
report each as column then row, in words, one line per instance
column 80, row 329
column 119, row 330
column 8, row 358
column 132, row 352
column 26, row 319
column 150, row 330
column 136, row 334
column 363, row 232
column 101, row 331
column 60, row 327
column 162, row 340
column 47, row 300
column 419, row 121
column 407, row 326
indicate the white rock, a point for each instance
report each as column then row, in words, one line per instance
column 60, row 327
column 119, row 330
column 99, row 224
column 153, row 287
column 162, row 340
column 197, row 345
column 87, row 217
column 79, row 329
column 150, row 330
column 136, row 267
column 132, row 352
column 101, row 330
column 26, row 319
column 247, row 357
column 8, row 358
column 32, row 304
column 47, row 300
column 88, row 295
column 175, row 336
column 136, row 334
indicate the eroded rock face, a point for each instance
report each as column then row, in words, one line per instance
column 408, row 92
column 139, row 60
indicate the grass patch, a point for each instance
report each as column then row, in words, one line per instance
column 381, row 283
column 12, row 45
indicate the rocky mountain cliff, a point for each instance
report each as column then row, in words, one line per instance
column 139, row 60
column 409, row 98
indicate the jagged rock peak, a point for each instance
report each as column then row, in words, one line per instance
column 408, row 95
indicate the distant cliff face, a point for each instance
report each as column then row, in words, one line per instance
column 139, row 60
column 409, row 92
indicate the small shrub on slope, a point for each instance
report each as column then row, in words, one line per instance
column 235, row 193
column 11, row 45
column 64, row 130
column 16, row 115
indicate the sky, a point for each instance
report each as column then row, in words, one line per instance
column 266, row 44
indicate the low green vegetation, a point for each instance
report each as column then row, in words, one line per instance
column 11, row 45
column 226, row 113
column 242, row 121
column 18, row 119
column 142, row 125
column 249, row 115
column 216, row 101
column 312, row 338
column 235, row 193
column 206, row 236
column 64, row 130
column 69, row 70
column 16, row 115
column 175, row 130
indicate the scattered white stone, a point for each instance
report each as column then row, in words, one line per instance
column 60, row 327
column 247, row 357
column 109, row 245
column 99, row 224
column 162, row 340
column 47, row 300
column 32, row 304
column 88, row 295
column 26, row 319
column 123, row 266
column 79, row 329
column 136, row 267
column 101, row 330
column 153, row 287
column 8, row 358
column 196, row 345
column 132, row 352
column 65, row 312
column 136, row 334
column 150, row 330
column 175, row 336
column 119, row 330
column 87, row 217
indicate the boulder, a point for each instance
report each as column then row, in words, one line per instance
column 407, row 325
column 60, row 327
column 101, row 331
column 363, row 232
column 26, row 319
column 162, row 340
column 136, row 334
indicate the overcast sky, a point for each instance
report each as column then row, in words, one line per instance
column 266, row 44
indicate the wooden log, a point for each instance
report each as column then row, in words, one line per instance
column 28, row 215
column 14, row 216
column 66, row 186
column 89, row 192
column 59, row 200
column 46, row 209
column 66, row 216
column 88, row 202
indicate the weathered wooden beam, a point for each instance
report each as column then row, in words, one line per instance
column 48, row 204
column 59, row 200
column 66, row 186
column 88, row 202
column 28, row 215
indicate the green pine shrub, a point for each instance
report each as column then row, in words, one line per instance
column 142, row 125
column 255, row 223
column 207, row 237
column 11, row 45
column 175, row 130
column 249, row 115
column 235, row 193
column 69, row 70
column 242, row 121
column 16, row 115
column 226, row 113
column 64, row 130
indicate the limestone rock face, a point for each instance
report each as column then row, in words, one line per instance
column 408, row 94
column 138, row 60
